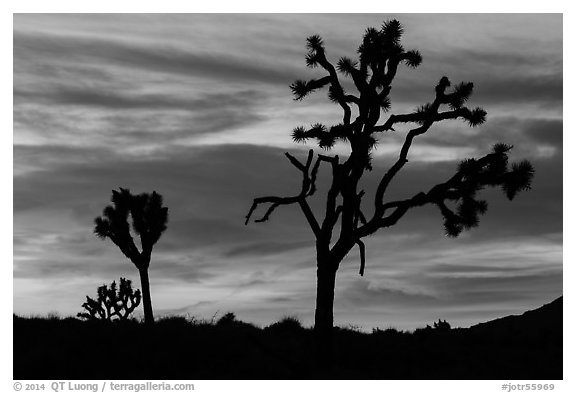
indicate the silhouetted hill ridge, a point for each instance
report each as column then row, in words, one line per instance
column 545, row 318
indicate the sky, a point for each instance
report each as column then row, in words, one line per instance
column 197, row 107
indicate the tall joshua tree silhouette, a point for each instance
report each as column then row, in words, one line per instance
column 149, row 219
column 380, row 55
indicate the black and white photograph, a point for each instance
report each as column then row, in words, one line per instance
column 288, row 196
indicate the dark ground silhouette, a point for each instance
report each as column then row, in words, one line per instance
column 527, row 346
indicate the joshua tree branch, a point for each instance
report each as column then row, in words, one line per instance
column 332, row 212
column 402, row 160
column 392, row 67
column 275, row 201
column 393, row 119
column 359, row 80
column 358, row 215
column 310, row 217
column 352, row 98
column 362, row 248
column 308, row 189
column 428, row 116
column 295, row 162
column 301, row 88
column 335, row 82
column 476, row 174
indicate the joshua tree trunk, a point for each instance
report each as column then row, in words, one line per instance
column 324, row 315
column 148, row 315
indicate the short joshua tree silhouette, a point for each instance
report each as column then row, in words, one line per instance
column 112, row 303
column 380, row 55
column 149, row 219
column 442, row 325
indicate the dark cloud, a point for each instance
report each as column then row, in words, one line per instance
column 155, row 129
column 51, row 268
column 484, row 290
column 448, row 268
column 266, row 248
column 542, row 89
column 499, row 78
column 185, row 270
column 209, row 191
column 128, row 121
column 156, row 58
column 54, row 158
column 81, row 254
column 200, row 230
column 528, row 135
column 360, row 293
column 544, row 131
column 114, row 100
column 497, row 59
column 280, row 299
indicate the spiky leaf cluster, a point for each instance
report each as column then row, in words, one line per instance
column 149, row 219
column 112, row 303
column 413, row 58
column 300, row 89
column 518, row 179
column 475, row 117
column 335, row 94
column 315, row 47
column 474, row 175
column 326, row 138
column 149, row 216
column 385, row 104
column 299, row 135
column 326, row 141
column 379, row 45
column 347, row 66
column 377, row 48
column 460, row 95
column 424, row 112
column 467, row 215
column 501, row 148
column 314, row 43
column 366, row 161
column 114, row 217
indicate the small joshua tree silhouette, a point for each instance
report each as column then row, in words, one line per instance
column 442, row 325
column 112, row 303
column 149, row 220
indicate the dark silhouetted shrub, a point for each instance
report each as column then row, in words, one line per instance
column 387, row 333
column 227, row 319
column 286, row 324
